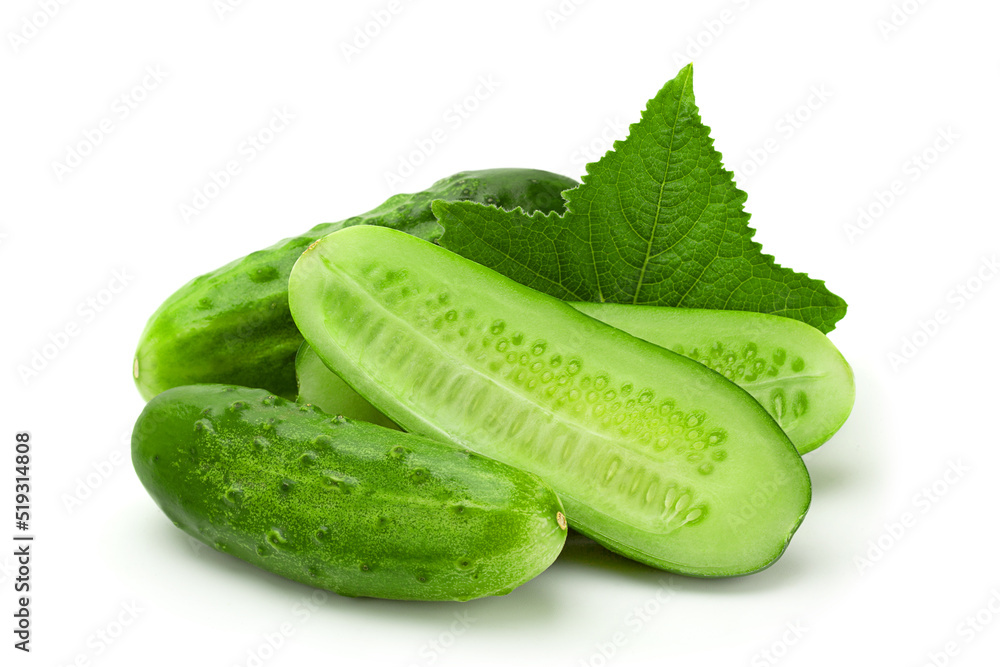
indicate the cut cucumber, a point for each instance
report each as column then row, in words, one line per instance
column 654, row 455
column 791, row 368
column 320, row 386
column 347, row 506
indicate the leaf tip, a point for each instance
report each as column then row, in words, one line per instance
column 439, row 207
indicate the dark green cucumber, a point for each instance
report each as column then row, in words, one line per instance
column 653, row 455
column 791, row 368
column 232, row 325
column 320, row 386
column 351, row 507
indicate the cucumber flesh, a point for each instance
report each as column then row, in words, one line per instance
column 654, row 455
column 320, row 386
column 347, row 506
column 791, row 368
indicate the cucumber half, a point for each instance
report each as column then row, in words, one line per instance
column 653, row 455
column 320, row 386
column 791, row 368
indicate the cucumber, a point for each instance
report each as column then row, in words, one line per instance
column 791, row 368
column 232, row 325
column 653, row 455
column 320, row 386
column 347, row 506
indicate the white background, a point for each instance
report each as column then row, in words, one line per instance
column 855, row 587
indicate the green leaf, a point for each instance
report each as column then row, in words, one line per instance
column 657, row 221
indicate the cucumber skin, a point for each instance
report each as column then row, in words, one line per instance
column 788, row 353
column 755, row 500
column 347, row 506
column 232, row 325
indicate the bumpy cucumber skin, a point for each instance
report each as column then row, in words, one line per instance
column 346, row 506
column 695, row 477
column 320, row 386
column 791, row 368
column 232, row 325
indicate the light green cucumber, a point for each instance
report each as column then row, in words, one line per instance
column 791, row 368
column 653, row 455
column 232, row 325
column 347, row 506
column 320, row 386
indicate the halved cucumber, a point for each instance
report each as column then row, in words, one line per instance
column 654, row 455
column 320, row 386
column 791, row 368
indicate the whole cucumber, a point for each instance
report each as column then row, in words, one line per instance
column 653, row 455
column 347, row 506
column 232, row 325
